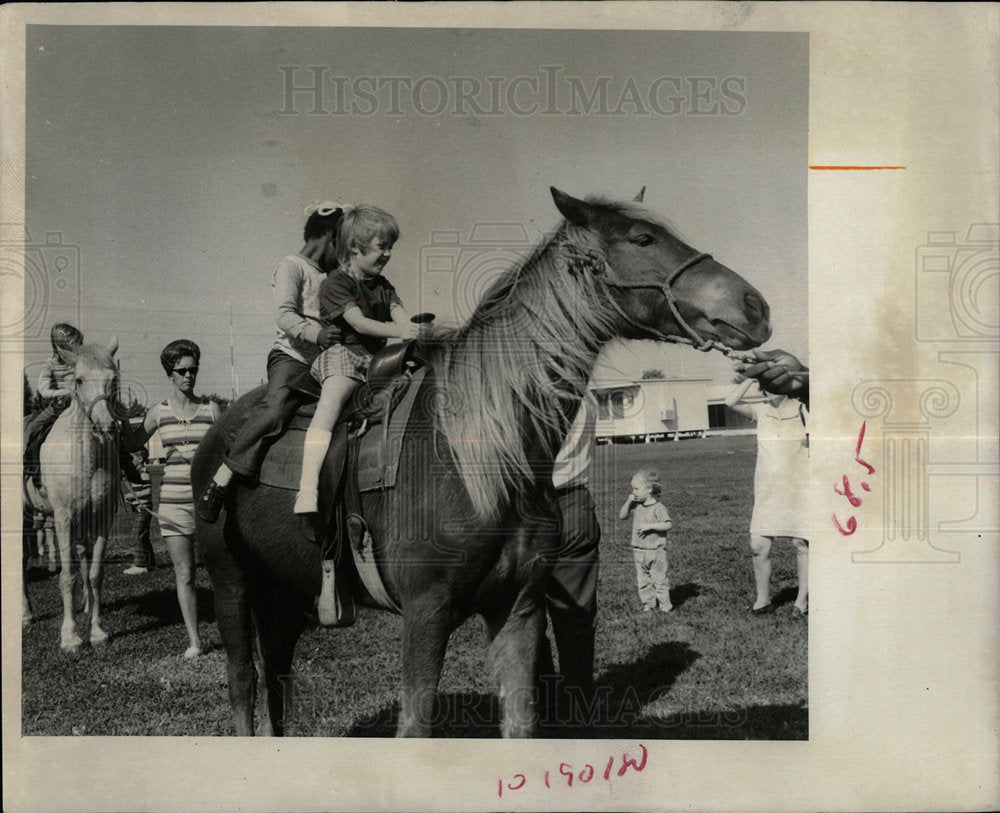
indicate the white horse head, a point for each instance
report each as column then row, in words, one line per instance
column 95, row 385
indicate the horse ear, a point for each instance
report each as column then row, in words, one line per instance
column 575, row 211
column 113, row 345
column 638, row 198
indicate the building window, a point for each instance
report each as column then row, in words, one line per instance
column 717, row 416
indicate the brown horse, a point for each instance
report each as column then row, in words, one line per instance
column 474, row 517
column 79, row 462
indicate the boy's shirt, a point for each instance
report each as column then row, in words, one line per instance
column 296, row 282
column 643, row 515
column 375, row 298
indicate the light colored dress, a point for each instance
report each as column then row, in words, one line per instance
column 781, row 480
column 180, row 438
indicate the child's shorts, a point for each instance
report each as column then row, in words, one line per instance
column 340, row 360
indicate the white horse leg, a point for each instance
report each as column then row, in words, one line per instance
column 69, row 640
column 97, row 633
column 51, row 545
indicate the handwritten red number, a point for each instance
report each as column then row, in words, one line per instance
column 628, row 761
column 563, row 768
column 589, row 771
column 851, row 497
column 852, row 525
column 857, row 452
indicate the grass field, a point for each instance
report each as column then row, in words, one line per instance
column 709, row 670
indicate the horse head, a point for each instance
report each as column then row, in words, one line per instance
column 660, row 286
column 95, row 386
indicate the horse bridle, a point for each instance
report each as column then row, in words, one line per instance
column 602, row 271
column 89, row 410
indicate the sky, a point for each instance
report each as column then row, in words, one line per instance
column 168, row 170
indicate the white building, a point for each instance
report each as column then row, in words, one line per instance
column 665, row 409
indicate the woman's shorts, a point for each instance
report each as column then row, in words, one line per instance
column 340, row 360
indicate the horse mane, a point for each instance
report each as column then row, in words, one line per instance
column 95, row 355
column 511, row 377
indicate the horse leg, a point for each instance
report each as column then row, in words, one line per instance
column 279, row 625
column 49, row 534
column 232, row 614
column 96, row 576
column 516, row 631
column 69, row 640
column 425, row 638
column 27, row 614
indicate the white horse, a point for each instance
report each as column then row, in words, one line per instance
column 79, row 465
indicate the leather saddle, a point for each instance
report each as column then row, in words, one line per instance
column 390, row 373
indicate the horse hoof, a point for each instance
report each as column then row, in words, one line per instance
column 27, row 621
column 72, row 647
column 98, row 636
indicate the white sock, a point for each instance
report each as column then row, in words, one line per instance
column 314, row 452
column 223, row 475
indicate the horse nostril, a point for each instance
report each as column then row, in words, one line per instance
column 757, row 309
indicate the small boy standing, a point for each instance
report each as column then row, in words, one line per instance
column 650, row 523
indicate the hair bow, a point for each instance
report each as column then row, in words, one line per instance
column 327, row 208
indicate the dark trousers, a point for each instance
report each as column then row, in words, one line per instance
column 142, row 548
column 271, row 416
column 571, row 594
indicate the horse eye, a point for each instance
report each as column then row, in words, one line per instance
column 643, row 239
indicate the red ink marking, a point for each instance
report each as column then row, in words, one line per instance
column 851, row 498
column 837, row 167
column 547, row 780
column 628, row 761
column 500, row 786
column 569, row 776
column 865, row 486
column 587, row 767
column 852, row 525
column 607, row 771
column 857, row 451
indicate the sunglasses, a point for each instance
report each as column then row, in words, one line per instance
column 185, row 370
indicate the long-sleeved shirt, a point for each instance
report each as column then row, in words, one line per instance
column 296, row 282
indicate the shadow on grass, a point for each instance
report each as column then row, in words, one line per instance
column 683, row 593
column 161, row 605
column 786, row 595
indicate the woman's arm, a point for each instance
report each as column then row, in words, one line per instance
column 135, row 439
column 736, row 395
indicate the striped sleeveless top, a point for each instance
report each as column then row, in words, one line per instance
column 180, row 439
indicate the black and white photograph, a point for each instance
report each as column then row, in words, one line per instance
column 614, row 387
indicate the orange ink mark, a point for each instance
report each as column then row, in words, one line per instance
column 845, row 167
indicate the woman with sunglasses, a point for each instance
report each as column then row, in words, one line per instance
column 300, row 337
column 182, row 420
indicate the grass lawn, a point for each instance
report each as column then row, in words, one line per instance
column 709, row 670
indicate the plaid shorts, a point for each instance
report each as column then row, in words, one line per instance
column 340, row 360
